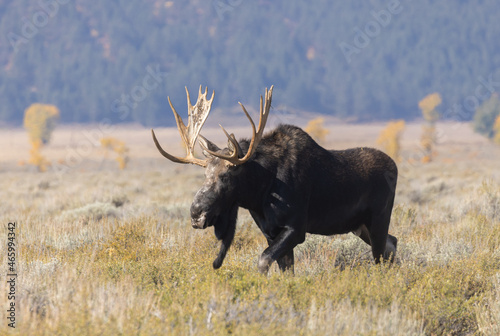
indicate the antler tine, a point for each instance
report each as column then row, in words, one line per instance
column 180, row 123
column 256, row 134
column 263, row 114
column 190, row 107
column 200, row 92
column 249, row 118
column 187, row 159
column 233, row 157
column 197, row 115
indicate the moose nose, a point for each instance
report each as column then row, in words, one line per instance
column 199, row 223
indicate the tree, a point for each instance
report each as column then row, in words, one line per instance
column 431, row 115
column 316, row 129
column 390, row 138
column 119, row 147
column 91, row 59
column 485, row 116
column 40, row 121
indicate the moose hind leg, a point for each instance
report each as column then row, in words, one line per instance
column 363, row 233
column 383, row 244
column 286, row 262
column 390, row 246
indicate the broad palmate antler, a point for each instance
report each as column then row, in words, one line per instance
column 197, row 115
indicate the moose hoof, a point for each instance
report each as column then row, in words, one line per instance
column 264, row 264
column 390, row 248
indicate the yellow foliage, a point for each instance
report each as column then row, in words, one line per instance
column 316, row 129
column 40, row 120
column 496, row 128
column 390, row 137
column 36, row 158
column 119, row 148
column 428, row 106
column 426, row 158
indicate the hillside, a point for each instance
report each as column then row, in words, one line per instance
column 118, row 60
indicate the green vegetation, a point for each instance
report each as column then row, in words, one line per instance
column 95, row 60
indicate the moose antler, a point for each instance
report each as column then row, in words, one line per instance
column 197, row 115
column 234, row 157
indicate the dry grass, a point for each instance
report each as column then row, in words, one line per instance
column 107, row 252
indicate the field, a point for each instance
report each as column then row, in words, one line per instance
column 101, row 251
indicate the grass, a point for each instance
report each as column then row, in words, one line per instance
column 109, row 252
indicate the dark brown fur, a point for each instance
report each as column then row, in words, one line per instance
column 293, row 186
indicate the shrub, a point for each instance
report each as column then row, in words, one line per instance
column 94, row 211
column 488, row 314
column 428, row 106
column 316, row 129
column 390, row 137
column 40, row 120
column 125, row 243
column 119, row 148
column 484, row 118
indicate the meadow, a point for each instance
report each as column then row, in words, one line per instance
column 103, row 251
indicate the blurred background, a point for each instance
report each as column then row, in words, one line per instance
column 356, row 60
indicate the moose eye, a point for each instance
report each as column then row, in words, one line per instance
column 224, row 178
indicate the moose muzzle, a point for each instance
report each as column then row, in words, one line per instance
column 200, row 222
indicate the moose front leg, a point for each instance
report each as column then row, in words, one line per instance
column 281, row 249
column 286, row 262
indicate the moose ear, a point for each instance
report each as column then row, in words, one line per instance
column 205, row 143
column 231, row 146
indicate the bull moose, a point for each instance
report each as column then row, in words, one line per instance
column 290, row 184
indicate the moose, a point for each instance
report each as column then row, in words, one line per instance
column 290, row 185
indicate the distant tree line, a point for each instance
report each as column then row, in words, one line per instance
column 118, row 60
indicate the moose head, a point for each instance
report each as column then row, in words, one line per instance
column 226, row 170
